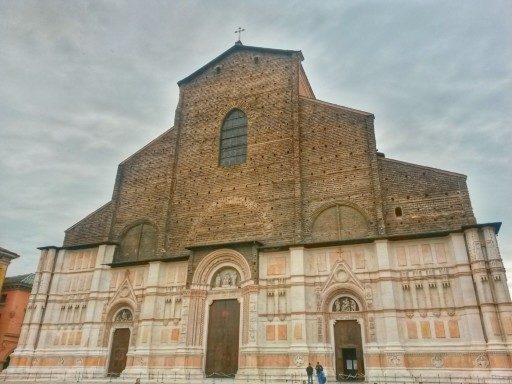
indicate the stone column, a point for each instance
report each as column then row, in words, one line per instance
column 498, row 282
column 39, row 298
column 482, row 283
column 387, row 327
column 94, row 312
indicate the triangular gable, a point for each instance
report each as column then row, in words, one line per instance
column 236, row 48
column 342, row 273
column 125, row 292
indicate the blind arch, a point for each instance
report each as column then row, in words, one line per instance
column 138, row 243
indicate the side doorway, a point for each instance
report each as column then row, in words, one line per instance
column 349, row 351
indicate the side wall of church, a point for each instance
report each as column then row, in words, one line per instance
column 143, row 191
column 430, row 199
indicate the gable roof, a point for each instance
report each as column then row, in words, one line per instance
column 236, row 48
column 20, row 281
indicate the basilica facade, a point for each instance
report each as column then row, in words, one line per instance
column 264, row 231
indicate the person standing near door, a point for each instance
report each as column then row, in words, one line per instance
column 319, row 372
column 309, row 371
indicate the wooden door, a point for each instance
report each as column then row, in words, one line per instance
column 349, row 351
column 349, row 357
column 120, row 344
column 222, row 341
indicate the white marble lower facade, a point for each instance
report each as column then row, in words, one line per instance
column 427, row 305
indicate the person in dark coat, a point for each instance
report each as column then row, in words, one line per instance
column 309, row 371
column 319, row 372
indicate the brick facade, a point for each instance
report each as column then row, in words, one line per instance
column 313, row 219
column 303, row 156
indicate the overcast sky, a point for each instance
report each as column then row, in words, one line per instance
column 85, row 84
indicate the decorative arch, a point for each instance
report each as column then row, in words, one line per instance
column 233, row 139
column 215, row 218
column 339, row 221
column 137, row 242
column 123, row 315
column 336, row 291
column 218, row 260
column 110, row 322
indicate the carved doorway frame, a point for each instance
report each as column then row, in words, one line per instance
column 234, row 293
column 334, row 317
column 203, row 280
column 119, row 325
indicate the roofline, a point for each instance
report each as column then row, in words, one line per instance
column 424, row 167
column 365, row 240
column 495, row 225
column 145, row 146
column 9, row 254
column 301, row 69
column 78, row 246
column 9, row 284
column 86, row 217
column 237, row 47
column 337, row 106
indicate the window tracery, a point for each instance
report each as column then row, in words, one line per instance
column 233, row 139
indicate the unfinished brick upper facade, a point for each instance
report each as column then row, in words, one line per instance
column 303, row 156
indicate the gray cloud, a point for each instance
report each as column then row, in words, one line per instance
column 85, row 84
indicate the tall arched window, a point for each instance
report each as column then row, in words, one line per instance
column 233, row 139
column 138, row 243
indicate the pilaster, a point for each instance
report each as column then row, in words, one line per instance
column 297, row 300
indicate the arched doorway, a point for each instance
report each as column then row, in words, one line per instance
column 223, row 340
column 348, row 343
column 120, row 342
column 221, row 275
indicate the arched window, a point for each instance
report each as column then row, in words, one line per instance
column 233, row 139
column 138, row 243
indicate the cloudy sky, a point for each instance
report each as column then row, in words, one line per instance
column 83, row 84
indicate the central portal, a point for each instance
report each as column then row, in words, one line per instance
column 222, row 343
column 349, row 351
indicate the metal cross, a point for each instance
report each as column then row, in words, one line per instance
column 239, row 31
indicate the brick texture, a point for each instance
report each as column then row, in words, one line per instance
column 143, row 188
column 92, row 229
column 303, row 156
column 430, row 199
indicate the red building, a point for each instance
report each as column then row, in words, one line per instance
column 13, row 303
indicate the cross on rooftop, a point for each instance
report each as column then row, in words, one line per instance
column 239, row 31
